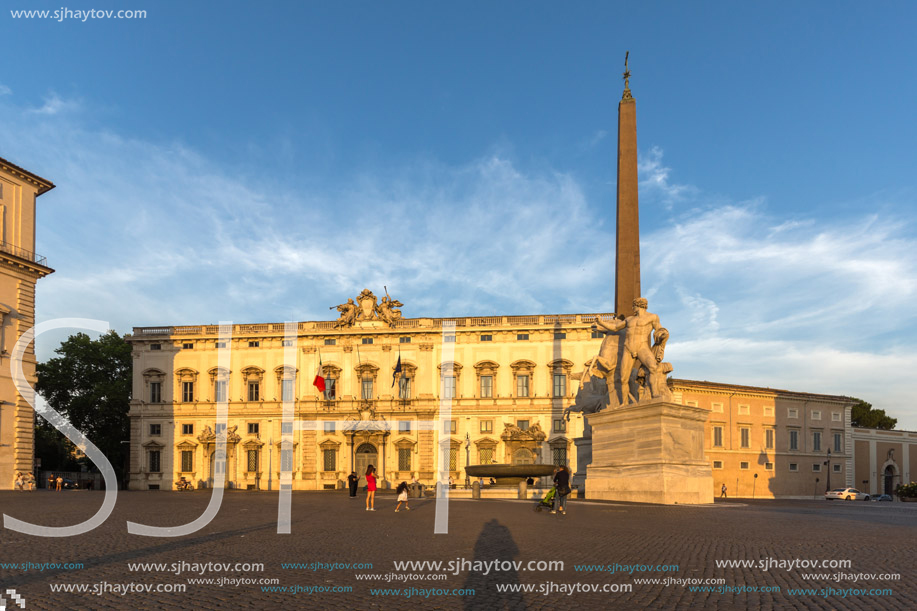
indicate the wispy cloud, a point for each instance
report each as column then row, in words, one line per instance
column 54, row 104
column 4, row 90
column 655, row 182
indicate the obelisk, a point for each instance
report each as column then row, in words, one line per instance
column 627, row 251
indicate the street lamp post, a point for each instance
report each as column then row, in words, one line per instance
column 828, row 476
column 467, row 459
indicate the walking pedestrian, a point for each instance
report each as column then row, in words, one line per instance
column 51, row 482
column 370, row 488
column 562, row 483
column 723, row 492
column 18, row 482
column 402, row 492
column 60, row 482
column 352, row 481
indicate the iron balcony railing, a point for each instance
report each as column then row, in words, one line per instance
column 23, row 254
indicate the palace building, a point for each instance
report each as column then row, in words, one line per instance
column 20, row 269
column 494, row 391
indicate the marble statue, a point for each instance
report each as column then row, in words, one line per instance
column 592, row 395
column 367, row 308
column 348, row 314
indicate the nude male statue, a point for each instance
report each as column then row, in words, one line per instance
column 637, row 330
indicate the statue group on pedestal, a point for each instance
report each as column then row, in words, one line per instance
column 610, row 378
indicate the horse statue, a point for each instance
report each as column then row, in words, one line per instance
column 592, row 395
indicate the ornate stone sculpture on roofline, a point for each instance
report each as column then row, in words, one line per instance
column 367, row 310
column 626, row 343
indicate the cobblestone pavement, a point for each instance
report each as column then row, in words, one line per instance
column 328, row 527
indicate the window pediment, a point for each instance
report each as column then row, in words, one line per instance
column 486, row 368
column 522, row 366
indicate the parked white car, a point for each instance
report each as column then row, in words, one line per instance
column 846, row 494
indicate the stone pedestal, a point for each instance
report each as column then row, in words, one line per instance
column 649, row 453
column 583, row 460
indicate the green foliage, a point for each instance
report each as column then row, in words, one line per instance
column 907, row 491
column 864, row 415
column 54, row 450
column 90, row 385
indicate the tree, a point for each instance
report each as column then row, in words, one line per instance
column 90, row 385
column 864, row 415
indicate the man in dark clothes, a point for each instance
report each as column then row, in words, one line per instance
column 352, row 481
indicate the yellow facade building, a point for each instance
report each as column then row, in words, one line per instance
column 496, row 394
column 20, row 269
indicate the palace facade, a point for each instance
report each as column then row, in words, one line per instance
column 20, row 269
column 492, row 391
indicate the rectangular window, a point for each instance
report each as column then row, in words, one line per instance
column 404, row 426
column 560, row 385
column 220, row 428
column 404, row 459
column 155, row 346
column 717, row 464
column 449, row 426
column 816, row 441
column 187, row 392
column 453, row 459
column 254, row 391
column 522, row 337
column 744, row 410
column 366, row 389
column 560, row 335
column 221, row 345
column 837, row 468
column 487, row 387
column 597, row 334
column 559, row 456
column 329, row 460
column 404, row 340
column 792, row 412
column 717, row 407
column 522, row 386
column 329, row 428
column 254, row 428
column 487, row 338
column 794, row 440
column 768, row 466
column 486, row 456
column 816, row 414
column 286, row 428
column 155, row 430
column 487, row 426
column 743, row 465
column 154, row 461
column 816, row 467
column 404, row 388
column 155, row 392
column 331, row 342
column 835, row 416
column 219, row 391
column 768, row 410
column 449, row 339
column 286, row 390
column 691, row 403
column 745, row 435
column 523, row 424
column 560, row 425
column 769, row 439
column 794, row 466
column 330, row 394
column 367, row 340
column 252, row 462
column 448, row 387
column 286, row 343
column 718, row 437
column 286, row 459
column 838, row 446
column 187, row 429
column 187, row 346
column 254, row 344
column 187, row 461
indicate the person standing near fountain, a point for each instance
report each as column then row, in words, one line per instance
column 370, row 488
column 562, row 483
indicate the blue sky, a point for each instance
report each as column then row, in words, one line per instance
column 257, row 162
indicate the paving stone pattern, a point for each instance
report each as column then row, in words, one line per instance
column 329, row 527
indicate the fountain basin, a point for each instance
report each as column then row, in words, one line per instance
column 509, row 475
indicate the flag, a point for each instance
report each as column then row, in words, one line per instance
column 397, row 370
column 319, row 381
